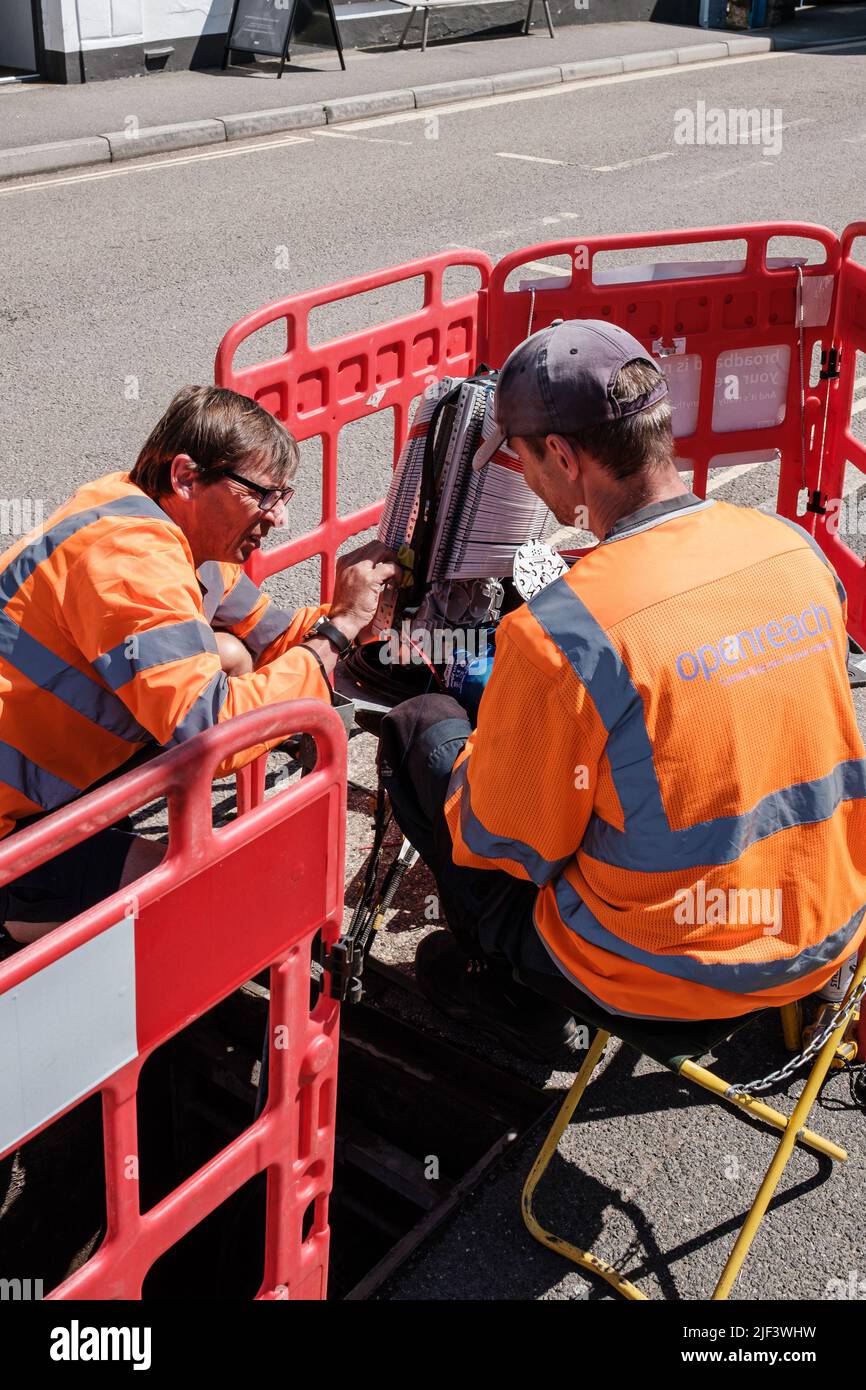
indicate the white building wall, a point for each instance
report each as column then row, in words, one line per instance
column 105, row 23
column 60, row 25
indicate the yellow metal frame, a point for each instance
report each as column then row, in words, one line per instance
column 793, row 1129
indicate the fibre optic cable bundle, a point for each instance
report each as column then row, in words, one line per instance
column 455, row 529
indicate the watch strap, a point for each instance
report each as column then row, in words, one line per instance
column 338, row 639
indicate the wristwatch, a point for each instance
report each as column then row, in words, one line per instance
column 338, row 639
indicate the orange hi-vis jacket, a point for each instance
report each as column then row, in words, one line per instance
column 667, row 746
column 107, row 646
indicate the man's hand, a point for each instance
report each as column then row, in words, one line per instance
column 361, row 577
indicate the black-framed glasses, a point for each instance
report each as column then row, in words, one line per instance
column 268, row 497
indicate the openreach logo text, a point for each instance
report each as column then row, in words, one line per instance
column 710, row 125
column 754, row 643
column 77, row 1343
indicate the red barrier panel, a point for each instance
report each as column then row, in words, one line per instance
column 736, row 339
column 82, row 1009
column 316, row 389
column 843, row 459
column 726, row 334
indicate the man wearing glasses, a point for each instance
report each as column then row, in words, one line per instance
column 127, row 625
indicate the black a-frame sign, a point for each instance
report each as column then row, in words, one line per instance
column 269, row 26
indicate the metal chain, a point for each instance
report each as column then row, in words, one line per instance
column 750, row 1088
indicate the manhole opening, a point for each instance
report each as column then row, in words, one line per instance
column 418, row 1123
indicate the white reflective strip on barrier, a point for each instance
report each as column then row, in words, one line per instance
column 66, row 1029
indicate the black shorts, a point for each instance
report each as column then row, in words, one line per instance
column 75, row 880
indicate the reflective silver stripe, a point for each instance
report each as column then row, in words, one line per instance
column 35, row 782
column 19, row 570
column 271, row 625
column 156, row 646
column 75, row 689
column 65, row 1028
column 721, row 841
column 647, row 843
column 484, row 843
column 205, row 710
column 603, row 673
column 748, row 977
column 237, row 604
column 805, row 535
column 210, row 577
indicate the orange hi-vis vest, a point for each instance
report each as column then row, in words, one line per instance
column 667, row 746
column 107, row 646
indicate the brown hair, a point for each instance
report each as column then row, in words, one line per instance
column 219, row 430
column 636, row 444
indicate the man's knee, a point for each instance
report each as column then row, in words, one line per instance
column 234, row 656
column 420, row 742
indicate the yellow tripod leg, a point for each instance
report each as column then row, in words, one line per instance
column 783, row 1153
column 792, row 1025
column 711, row 1082
column 563, row 1247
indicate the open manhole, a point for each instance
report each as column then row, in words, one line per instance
column 418, row 1123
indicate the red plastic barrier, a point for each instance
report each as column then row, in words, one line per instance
column 844, row 519
column 316, row 389
column 82, row 1009
column 723, row 326
column 712, row 328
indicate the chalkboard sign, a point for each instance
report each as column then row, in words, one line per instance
column 268, row 27
column 262, row 26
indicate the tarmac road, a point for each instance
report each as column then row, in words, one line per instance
column 116, row 288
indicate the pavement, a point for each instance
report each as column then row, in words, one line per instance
column 47, row 127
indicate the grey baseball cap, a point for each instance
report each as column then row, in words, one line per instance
column 561, row 379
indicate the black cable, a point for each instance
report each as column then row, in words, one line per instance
column 856, row 1072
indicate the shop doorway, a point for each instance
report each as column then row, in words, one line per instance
column 19, row 41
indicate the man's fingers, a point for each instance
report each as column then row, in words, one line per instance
column 385, row 570
column 371, row 550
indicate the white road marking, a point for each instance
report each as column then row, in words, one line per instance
column 727, row 475
column 545, row 268
column 369, row 139
column 855, row 481
column 543, row 93
column 137, row 166
column 628, row 163
column 395, row 118
column 530, row 158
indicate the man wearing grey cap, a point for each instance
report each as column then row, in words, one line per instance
column 632, row 760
